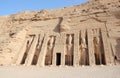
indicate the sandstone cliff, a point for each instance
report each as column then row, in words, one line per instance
column 14, row 29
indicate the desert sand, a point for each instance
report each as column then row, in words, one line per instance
column 60, row 72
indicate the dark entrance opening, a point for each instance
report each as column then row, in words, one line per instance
column 58, row 59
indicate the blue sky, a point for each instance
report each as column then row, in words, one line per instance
column 8, row 7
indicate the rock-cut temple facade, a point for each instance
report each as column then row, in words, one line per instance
column 86, row 34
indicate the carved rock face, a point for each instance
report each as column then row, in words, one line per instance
column 64, row 28
column 116, row 13
column 87, row 34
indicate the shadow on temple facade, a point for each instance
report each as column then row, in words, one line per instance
column 117, row 50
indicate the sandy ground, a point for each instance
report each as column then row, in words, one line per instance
column 60, row 72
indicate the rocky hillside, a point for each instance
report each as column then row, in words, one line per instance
column 14, row 27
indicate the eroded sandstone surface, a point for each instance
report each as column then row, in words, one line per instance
column 87, row 34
